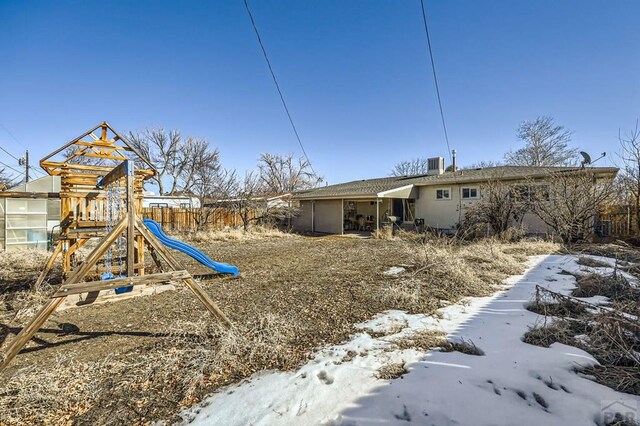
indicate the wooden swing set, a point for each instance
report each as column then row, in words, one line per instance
column 101, row 160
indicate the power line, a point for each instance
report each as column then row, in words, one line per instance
column 9, row 154
column 275, row 80
column 435, row 78
column 19, row 143
column 8, row 166
column 12, row 137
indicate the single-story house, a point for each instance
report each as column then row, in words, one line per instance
column 437, row 199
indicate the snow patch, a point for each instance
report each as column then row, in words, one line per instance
column 393, row 271
column 512, row 383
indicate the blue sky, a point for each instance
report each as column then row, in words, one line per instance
column 355, row 75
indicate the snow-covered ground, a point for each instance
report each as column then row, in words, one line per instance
column 512, row 383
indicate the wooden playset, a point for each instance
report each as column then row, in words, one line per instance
column 101, row 198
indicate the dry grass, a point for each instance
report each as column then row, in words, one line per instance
column 18, row 271
column 447, row 270
column 141, row 360
column 174, row 372
column 591, row 262
column 21, row 265
column 256, row 232
column 463, row 346
column 622, row 379
column 423, row 340
column 391, row 371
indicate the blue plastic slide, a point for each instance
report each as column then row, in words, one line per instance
column 222, row 268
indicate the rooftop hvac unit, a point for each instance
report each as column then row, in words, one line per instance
column 435, row 166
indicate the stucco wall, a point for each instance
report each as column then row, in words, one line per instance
column 328, row 216
column 441, row 214
column 302, row 221
column 445, row 214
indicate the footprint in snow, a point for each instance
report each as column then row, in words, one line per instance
column 405, row 414
column 325, row 378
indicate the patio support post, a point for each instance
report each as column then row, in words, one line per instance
column 377, row 214
column 342, row 216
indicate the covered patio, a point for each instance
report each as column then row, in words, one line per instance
column 358, row 207
column 388, row 208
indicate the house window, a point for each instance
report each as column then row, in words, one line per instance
column 469, row 193
column 443, row 194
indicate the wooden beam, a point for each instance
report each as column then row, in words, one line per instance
column 121, row 170
column 131, row 213
column 36, row 322
column 69, row 289
column 48, row 265
column 16, row 194
column 168, row 258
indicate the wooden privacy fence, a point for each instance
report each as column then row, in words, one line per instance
column 186, row 219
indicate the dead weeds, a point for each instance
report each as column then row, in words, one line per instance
column 143, row 359
column 611, row 335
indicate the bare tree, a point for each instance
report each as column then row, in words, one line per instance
column 209, row 181
column 165, row 151
column 249, row 199
column 630, row 176
column 499, row 208
column 546, row 144
column 482, row 165
column 570, row 202
column 5, row 179
column 283, row 174
column 416, row 166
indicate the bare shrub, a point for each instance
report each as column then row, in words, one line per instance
column 557, row 309
column 612, row 337
column 614, row 286
column 569, row 203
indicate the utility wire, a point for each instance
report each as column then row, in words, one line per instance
column 435, row 78
column 8, row 166
column 9, row 154
column 275, row 80
column 19, row 143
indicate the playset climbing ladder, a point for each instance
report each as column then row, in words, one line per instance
column 101, row 198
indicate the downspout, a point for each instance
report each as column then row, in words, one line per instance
column 313, row 219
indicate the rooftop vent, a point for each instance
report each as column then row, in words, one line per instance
column 435, row 166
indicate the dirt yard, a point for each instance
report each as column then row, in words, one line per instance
column 143, row 359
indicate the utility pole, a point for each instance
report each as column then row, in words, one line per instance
column 24, row 161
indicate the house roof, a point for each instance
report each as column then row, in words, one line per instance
column 375, row 188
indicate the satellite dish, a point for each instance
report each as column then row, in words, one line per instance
column 586, row 158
